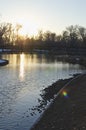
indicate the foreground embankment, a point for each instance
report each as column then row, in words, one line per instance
column 68, row 110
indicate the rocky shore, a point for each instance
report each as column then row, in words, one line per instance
column 68, row 109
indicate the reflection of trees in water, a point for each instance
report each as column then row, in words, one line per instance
column 31, row 58
column 50, row 58
column 44, row 58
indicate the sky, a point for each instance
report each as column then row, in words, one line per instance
column 34, row 15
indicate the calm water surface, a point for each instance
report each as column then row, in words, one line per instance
column 21, row 83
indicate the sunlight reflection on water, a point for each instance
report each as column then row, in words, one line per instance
column 21, row 83
column 22, row 64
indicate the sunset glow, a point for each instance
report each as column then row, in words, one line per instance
column 28, row 28
column 52, row 15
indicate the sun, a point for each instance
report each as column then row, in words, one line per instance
column 28, row 28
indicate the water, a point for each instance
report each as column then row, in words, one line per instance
column 21, row 83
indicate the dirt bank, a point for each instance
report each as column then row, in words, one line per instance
column 68, row 110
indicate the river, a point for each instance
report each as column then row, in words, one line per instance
column 21, row 82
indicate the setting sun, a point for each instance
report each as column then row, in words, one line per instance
column 28, row 28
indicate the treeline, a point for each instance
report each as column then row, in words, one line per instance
column 71, row 39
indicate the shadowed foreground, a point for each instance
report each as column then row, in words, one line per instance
column 68, row 111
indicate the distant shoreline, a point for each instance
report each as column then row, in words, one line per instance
column 59, row 51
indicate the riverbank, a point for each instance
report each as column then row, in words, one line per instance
column 68, row 110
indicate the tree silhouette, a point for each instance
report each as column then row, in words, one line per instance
column 18, row 27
